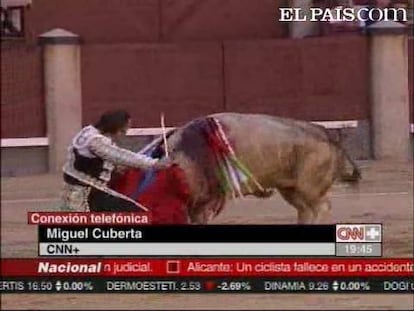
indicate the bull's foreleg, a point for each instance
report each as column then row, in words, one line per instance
column 322, row 210
column 306, row 214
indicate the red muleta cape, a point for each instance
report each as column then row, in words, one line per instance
column 166, row 196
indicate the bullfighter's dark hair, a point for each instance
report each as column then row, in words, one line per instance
column 113, row 121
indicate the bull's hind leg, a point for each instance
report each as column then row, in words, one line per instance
column 306, row 214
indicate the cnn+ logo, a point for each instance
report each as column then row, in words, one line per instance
column 358, row 233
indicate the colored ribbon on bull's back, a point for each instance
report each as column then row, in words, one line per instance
column 230, row 171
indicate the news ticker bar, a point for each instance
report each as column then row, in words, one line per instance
column 216, row 285
column 208, row 267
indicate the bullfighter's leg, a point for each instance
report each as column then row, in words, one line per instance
column 295, row 198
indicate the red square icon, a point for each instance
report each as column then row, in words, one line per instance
column 173, row 266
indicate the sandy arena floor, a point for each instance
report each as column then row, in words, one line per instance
column 385, row 195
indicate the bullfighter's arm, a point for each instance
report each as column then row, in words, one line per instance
column 103, row 147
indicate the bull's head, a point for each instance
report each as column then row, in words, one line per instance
column 189, row 150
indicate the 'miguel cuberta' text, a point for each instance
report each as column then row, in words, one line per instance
column 94, row 233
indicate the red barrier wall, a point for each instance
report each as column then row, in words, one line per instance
column 185, row 81
column 318, row 78
column 313, row 79
column 22, row 104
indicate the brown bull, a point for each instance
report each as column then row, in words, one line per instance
column 297, row 158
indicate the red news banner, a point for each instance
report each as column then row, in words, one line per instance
column 88, row 219
column 135, row 267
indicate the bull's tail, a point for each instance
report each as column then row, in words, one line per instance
column 343, row 172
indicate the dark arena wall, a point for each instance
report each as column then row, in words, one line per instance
column 299, row 79
column 186, row 58
column 131, row 21
column 410, row 77
column 22, row 104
